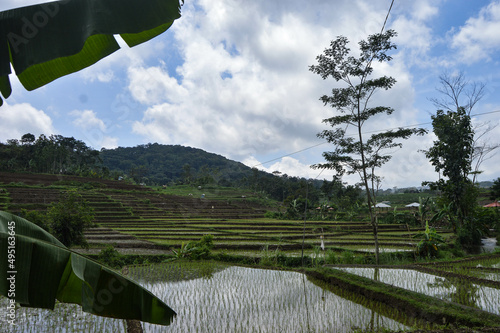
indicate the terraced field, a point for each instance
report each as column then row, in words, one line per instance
column 137, row 219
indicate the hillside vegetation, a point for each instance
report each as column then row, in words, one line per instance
column 150, row 164
column 137, row 218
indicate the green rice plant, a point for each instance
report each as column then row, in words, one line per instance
column 330, row 257
column 347, row 257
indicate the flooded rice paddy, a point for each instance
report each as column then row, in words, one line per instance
column 451, row 289
column 217, row 298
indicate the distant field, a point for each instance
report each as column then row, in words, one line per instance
column 138, row 217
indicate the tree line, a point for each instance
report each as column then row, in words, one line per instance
column 156, row 164
column 55, row 154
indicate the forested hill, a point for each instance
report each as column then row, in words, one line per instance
column 152, row 164
column 163, row 164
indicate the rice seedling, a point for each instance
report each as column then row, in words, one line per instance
column 457, row 290
column 239, row 299
column 212, row 297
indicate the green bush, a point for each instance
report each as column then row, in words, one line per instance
column 273, row 215
column 330, row 257
column 428, row 246
column 195, row 250
column 69, row 218
column 347, row 257
column 37, row 217
column 110, row 257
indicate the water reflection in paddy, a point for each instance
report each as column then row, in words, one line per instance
column 240, row 299
column 227, row 299
column 459, row 291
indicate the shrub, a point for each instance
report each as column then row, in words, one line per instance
column 69, row 218
column 195, row 250
column 429, row 243
column 347, row 257
column 110, row 257
column 330, row 257
column 39, row 218
column 273, row 215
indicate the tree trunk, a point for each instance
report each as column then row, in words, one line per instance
column 375, row 237
column 133, row 325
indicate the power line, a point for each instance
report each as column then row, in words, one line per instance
column 369, row 132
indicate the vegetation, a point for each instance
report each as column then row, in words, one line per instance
column 195, row 250
column 451, row 155
column 495, row 190
column 41, row 56
column 169, row 221
column 355, row 154
column 54, row 154
column 69, row 218
column 428, row 246
column 57, row 273
column 456, row 93
column 66, row 219
column 110, row 257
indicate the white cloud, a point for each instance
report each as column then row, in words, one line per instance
column 291, row 167
column 19, row 119
column 93, row 129
column 231, row 77
column 478, row 39
column 244, row 87
column 153, row 85
column 109, row 142
column 87, row 119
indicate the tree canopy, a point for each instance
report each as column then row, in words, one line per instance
column 451, row 155
column 53, row 154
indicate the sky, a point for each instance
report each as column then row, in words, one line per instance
column 232, row 77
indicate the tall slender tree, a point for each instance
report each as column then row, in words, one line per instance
column 358, row 154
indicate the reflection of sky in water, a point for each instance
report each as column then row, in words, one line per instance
column 236, row 299
column 243, row 299
column 486, row 298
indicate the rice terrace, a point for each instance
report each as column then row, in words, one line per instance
column 252, row 276
column 170, row 238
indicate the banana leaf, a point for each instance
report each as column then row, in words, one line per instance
column 44, row 270
column 47, row 41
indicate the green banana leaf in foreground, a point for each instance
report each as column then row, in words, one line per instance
column 45, row 270
column 46, row 41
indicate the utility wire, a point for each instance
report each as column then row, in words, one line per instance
column 369, row 132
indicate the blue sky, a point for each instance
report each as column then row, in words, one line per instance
column 231, row 77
